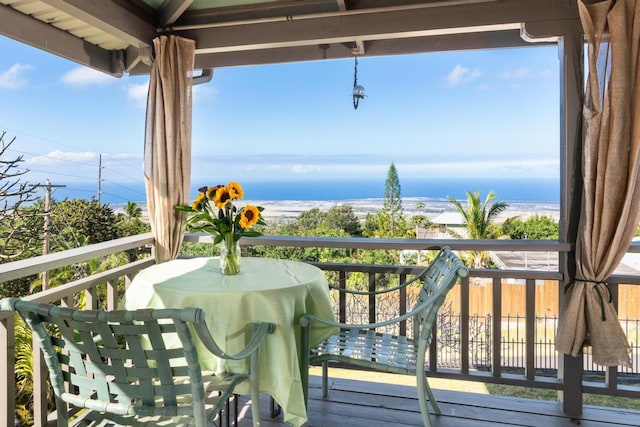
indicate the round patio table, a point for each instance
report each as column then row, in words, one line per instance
column 266, row 290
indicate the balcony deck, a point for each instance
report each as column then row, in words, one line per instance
column 360, row 403
column 357, row 403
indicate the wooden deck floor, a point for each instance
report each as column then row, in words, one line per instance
column 357, row 403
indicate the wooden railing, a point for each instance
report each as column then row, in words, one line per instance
column 116, row 280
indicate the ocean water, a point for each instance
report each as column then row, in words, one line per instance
column 511, row 190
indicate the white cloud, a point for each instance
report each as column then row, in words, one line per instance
column 123, row 156
column 138, row 94
column 203, row 94
column 461, row 75
column 518, row 74
column 57, row 156
column 14, row 78
column 84, row 76
column 507, row 168
column 304, row 169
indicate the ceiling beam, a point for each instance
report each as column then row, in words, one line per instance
column 25, row 29
column 415, row 45
column 110, row 18
column 381, row 24
column 172, row 10
column 258, row 11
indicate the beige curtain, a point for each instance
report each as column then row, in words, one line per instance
column 167, row 145
column 611, row 197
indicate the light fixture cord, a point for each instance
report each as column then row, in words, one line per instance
column 355, row 72
column 356, row 100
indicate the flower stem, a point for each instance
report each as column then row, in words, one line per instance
column 231, row 257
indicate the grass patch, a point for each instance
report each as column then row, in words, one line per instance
column 544, row 394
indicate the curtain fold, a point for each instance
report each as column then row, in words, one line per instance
column 611, row 195
column 167, row 145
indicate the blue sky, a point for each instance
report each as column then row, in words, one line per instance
column 490, row 113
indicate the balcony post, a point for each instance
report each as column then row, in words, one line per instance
column 40, row 387
column 570, row 50
column 7, row 377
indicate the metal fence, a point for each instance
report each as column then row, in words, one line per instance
column 513, row 344
column 513, row 341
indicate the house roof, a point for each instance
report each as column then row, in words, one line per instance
column 449, row 218
column 116, row 36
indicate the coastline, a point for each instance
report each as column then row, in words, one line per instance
column 279, row 211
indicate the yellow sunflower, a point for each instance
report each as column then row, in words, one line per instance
column 222, row 197
column 249, row 216
column 211, row 192
column 196, row 203
column 235, row 190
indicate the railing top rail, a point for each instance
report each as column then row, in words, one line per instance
column 35, row 265
column 410, row 269
column 409, row 244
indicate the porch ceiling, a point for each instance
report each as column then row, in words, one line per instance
column 115, row 36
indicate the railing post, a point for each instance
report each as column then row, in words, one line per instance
column 40, row 410
column 7, row 377
column 342, row 303
column 464, row 324
column 402, row 300
column 571, row 54
column 530, row 325
column 496, row 362
column 372, row 298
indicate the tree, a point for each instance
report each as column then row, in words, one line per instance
column 479, row 216
column 130, row 223
column 17, row 236
column 538, row 227
column 392, row 205
column 478, row 219
column 343, row 217
column 132, row 211
column 80, row 222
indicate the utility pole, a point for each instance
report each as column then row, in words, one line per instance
column 99, row 177
column 47, row 221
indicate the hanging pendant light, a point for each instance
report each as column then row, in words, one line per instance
column 358, row 90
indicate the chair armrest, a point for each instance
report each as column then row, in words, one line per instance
column 382, row 291
column 306, row 319
column 260, row 330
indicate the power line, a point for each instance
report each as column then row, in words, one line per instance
column 40, row 138
column 123, row 186
column 60, row 173
column 122, row 174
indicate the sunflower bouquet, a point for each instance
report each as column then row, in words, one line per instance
column 213, row 212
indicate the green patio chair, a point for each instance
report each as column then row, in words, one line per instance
column 117, row 369
column 363, row 346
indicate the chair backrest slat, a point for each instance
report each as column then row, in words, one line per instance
column 441, row 275
column 122, row 362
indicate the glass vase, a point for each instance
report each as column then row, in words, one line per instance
column 230, row 257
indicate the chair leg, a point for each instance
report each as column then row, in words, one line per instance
column 255, row 393
column 424, row 393
column 325, row 378
column 275, row 408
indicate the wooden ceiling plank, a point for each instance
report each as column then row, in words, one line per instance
column 26, row 29
column 110, row 18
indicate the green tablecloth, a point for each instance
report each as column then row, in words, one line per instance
column 266, row 290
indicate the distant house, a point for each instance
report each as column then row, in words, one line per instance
column 448, row 220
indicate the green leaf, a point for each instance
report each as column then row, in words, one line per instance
column 249, row 233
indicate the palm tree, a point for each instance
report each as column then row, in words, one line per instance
column 132, row 211
column 478, row 219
